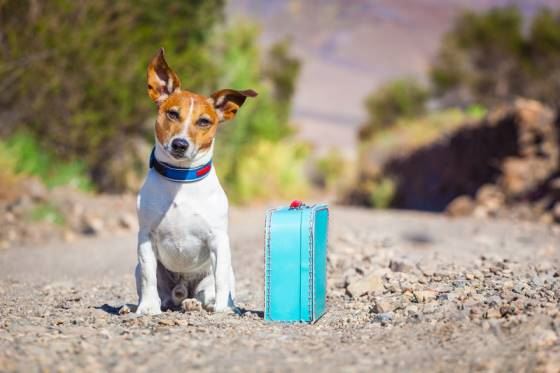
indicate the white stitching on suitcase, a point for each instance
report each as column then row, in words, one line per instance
column 267, row 263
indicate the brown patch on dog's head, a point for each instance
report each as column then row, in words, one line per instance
column 185, row 114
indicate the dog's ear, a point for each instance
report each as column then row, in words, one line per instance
column 227, row 101
column 162, row 81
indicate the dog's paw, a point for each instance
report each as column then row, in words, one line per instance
column 148, row 308
column 191, row 305
column 230, row 310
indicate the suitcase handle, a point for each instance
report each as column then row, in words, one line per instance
column 297, row 204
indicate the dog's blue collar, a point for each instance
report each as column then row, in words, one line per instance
column 181, row 175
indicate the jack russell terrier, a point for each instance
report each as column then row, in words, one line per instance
column 183, row 244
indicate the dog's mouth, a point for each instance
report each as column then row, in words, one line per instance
column 178, row 155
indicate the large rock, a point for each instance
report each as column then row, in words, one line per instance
column 510, row 158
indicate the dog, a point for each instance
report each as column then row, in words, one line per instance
column 183, row 243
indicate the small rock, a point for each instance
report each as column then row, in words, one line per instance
column 69, row 236
column 166, row 322
column 427, row 269
column 411, row 310
column 491, row 197
column 536, row 282
column 92, row 225
column 127, row 221
column 461, row 206
column 458, row 283
column 543, row 338
column 424, row 296
column 124, row 310
column 507, row 310
column 36, row 189
column 429, row 308
column 400, row 266
column 547, row 218
column 386, row 304
column 384, row 317
column 492, row 313
column 372, row 283
column 556, row 212
column 475, row 313
column 507, row 285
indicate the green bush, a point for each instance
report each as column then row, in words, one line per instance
column 23, row 155
column 488, row 57
column 382, row 193
column 73, row 72
column 48, row 213
column 268, row 170
column 403, row 98
column 331, row 168
column 262, row 123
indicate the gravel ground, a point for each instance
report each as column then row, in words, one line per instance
column 407, row 291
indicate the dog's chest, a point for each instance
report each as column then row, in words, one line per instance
column 183, row 239
column 184, row 222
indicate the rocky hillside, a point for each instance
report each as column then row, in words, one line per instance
column 507, row 163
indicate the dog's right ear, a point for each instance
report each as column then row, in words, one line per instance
column 162, row 81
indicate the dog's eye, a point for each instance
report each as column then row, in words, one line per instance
column 173, row 114
column 203, row 122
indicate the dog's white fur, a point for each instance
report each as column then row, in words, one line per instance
column 183, row 242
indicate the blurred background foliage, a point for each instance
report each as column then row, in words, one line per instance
column 401, row 98
column 256, row 142
column 80, row 92
column 485, row 60
column 493, row 57
column 74, row 109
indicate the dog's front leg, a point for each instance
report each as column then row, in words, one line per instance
column 146, row 277
column 222, row 274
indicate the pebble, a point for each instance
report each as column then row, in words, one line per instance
column 401, row 266
column 371, row 283
column 543, row 338
column 492, row 313
column 384, row 317
column 166, row 322
column 386, row 304
column 423, row 296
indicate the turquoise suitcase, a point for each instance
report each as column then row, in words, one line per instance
column 296, row 263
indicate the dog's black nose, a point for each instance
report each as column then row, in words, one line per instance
column 179, row 145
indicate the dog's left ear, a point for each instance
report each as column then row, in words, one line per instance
column 227, row 101
column 162, row 81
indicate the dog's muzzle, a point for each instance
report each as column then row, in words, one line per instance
column 179, row 147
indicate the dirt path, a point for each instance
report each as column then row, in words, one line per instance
column 443, row 295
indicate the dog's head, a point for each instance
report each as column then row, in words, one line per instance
column 187, row 122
